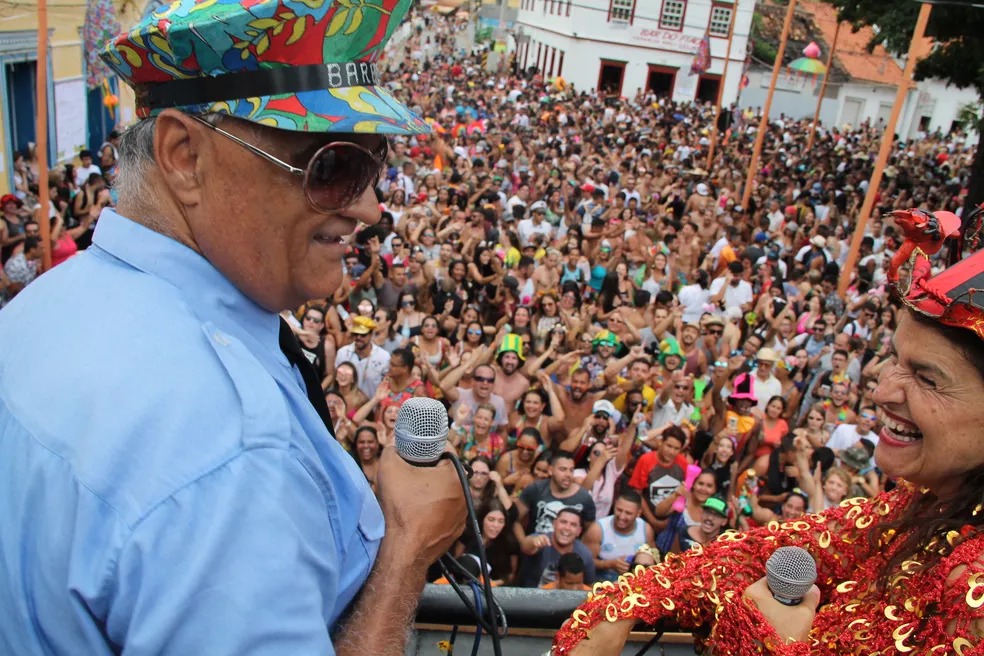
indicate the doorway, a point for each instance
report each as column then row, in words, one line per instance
column 610, row 77
column 707, row 88
column 21, row 97
column 661, row 80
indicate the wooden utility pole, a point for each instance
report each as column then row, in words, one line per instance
column 823, row 89
column 44, row 196
column 720, row 95
column 888, row 138
column 764, row 123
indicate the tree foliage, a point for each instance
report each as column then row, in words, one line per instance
column 957, row 56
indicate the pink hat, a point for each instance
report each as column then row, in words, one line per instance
column 743, row 389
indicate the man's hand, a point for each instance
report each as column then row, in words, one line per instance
column 424, row 509
column 792, row 623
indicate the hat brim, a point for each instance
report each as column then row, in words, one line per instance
column 360, row 331
column 358, row 110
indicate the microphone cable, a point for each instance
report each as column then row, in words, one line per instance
column 493, row 627
column 478, row 630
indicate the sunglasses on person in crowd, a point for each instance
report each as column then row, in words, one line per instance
column 314, row 319
column 483, row 379
column 526, row 448
column 601, row 415
column 408, row 302
column 336, row 175
column 474, row 331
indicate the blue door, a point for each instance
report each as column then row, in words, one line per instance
column 21, row 97
column 100, row 121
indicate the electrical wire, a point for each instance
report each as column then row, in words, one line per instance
column 478, row 629
column 483, row 561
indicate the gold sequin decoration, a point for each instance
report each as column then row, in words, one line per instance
column 773, row 526
column 824, row 540
column 633, row 601
column 858, row 622
column 662, row 580
column 846, row 586
column 959, row 644
column 900, row 634
column 579, row 617
column 911, row 566
column 890, row 613
column 864, row 522
column 667, row 604
column 611, row 613
column 975, row 595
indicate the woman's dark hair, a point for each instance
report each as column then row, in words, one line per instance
column 499, row 551
column 609, row 291
column 929, row 518
column 488, row 492
column 531, row 432
column 355, row 440
column 405, row 355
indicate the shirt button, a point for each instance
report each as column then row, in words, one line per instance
column 220, row 339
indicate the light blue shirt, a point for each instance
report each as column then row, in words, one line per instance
column 166, row 487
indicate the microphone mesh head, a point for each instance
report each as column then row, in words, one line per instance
column 790, row 572
column 421, row 430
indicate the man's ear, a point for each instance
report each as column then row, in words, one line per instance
column 178, row 140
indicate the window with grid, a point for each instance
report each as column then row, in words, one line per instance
column 672, row 16
column 720, row 21
column 621, row 11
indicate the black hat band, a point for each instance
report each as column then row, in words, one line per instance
column 253, row 84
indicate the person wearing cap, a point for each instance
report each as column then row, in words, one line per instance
column 766, row 383
column 816, row 249
column 535, row 224
column 186, row 494
column 370, row 360
column 713, row 521
column 510, row 378
column 599, row 426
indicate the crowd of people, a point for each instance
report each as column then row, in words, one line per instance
column 633, row 361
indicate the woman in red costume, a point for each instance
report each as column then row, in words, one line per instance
column 901, row 573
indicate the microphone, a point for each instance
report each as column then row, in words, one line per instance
column 420, row 435
column 421, row 431
column 790, row 573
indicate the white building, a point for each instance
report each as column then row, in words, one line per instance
column 862, row 86
column 622, row 46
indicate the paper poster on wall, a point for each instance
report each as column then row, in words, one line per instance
column 70, row 117
column 686, row 87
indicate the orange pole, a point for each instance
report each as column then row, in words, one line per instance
column 886, row 146
column 42, row 128
column 823, row 88
column 724, row 80
column 764, row 123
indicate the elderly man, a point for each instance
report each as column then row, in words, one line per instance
column 185, row 494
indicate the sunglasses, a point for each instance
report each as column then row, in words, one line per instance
column 408, row 302
column 336, row 175
column 526, row 448
column 314, row 319
column 474, row 331
column 483, row 379
column 601, row 415
column 868, row 416
column 715, row 331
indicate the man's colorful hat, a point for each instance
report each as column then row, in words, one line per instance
column 955, row 296
column 605, row 338
column 362, row 326
column 668, row 347
column 303, row 65
column 511, row 344
column 743, row 388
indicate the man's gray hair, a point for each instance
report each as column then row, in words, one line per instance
column 136, row 156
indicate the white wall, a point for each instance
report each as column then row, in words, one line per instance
column 587, row 38
column 797, row 99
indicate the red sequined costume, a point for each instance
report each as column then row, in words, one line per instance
column 703, row 588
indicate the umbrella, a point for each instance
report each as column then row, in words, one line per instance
column 807, row 66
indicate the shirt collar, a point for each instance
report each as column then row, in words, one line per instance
column 209, row 293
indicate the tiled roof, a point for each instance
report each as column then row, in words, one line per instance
column 851, row 52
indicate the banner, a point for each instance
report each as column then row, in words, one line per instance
column 702, row 58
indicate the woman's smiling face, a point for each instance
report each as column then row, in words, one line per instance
column 929, row 395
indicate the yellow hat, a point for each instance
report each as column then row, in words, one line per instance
column 362, row 326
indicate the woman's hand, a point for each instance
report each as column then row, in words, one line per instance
column 792, row 623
